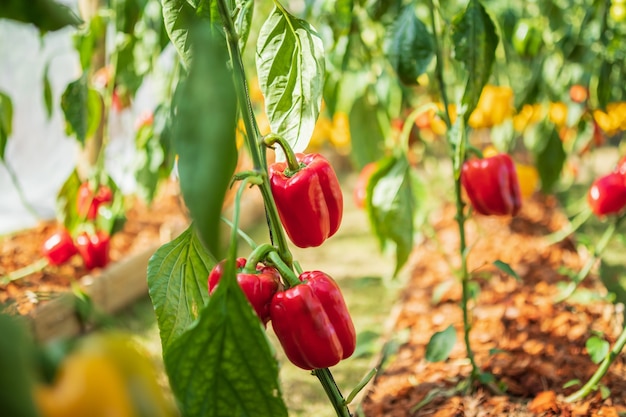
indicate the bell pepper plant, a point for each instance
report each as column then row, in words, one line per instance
column 93, row 248
column 59, row 247
column 312, row 322
column 308, row 197
column 492, row 185
column 259, row 287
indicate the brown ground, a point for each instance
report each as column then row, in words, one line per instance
column 145, row 226
column 540, row 345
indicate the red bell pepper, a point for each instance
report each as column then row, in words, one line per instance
column 492, row 185
column 259, row 288
column 87, row 203
column 312, row 322
column 59, row 247
column 94, row 249
column 309, row 199
column 607, row 194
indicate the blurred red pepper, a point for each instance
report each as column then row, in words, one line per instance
column 59, row 247
column 607, row 194
column 360, row 187
column 94, row 249
column 87, row 203
column 492, row 185
column 312, row 322
column 309, row 199
column 259, row 288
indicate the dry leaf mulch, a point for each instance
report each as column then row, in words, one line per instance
column 519, row 334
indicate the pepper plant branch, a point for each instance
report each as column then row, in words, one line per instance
column 252, row 130
column 258, row 255
column 285, row 271
column 332, row 391
column 292, row 162
column 592, row 383
column 597, row 254
column 458, row 157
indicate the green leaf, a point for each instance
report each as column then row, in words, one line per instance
column 243, row 20
column 440, row 345
column 82, row 107
column 571, row 383
column 390, row 205
column 613, row 276
column 47, row 91
column 204, row 133
column 366, row 133
column 86, row 40
column 475, row 41
column 179, row 16
column 6, row 122
column 16, row 361
column 549, row 160
column 605, row 392
column 410, row 48
column 177, row 283
column 224, row 365
column 506, row 268
column 66, row 210
column 290, row 67
column 597, row 348
column 47, row 15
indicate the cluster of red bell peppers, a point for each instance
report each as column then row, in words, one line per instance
column 308, row 314
column 607, row 194
column 92, row 247
column 491, row 185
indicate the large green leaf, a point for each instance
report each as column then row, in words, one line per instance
column 410, row 48
column 6, row 121
column 82, row 107
column 366, row 133
column 179, row 16
column 290, row 66
column 475, row 41
column 16, row 362
column 391, row 206
column 224, row 365
column 204, row 133
column 441, row 344
column 550, row 158
column 177, row 283
column 47, row 15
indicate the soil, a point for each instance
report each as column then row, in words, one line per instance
column 145, row 227
column 528, row 342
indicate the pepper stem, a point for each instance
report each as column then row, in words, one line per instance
column 259, row 254
column 293, row 165
column 592, row 384
column 285, row 271
column 332, row 391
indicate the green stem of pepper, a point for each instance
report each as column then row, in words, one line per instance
column 332, row 391
column 285, row 271
column 597, row 254
column 259, row 254
column 458, row 157
column 592, row 384
column 293, row 165
column 252, row 130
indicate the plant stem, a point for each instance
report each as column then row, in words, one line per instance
column 24, row 272
column 597, row 254
column 465, row 279
column 252, row 130
column 458, row 156
column 293, row 165
column 592, row 383
column 20, row 191
column 332, row 391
